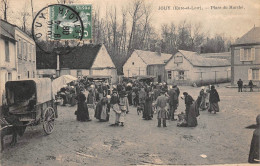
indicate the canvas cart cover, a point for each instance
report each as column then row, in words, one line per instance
column 44, row 89
column 58, row 83
column 21, row 90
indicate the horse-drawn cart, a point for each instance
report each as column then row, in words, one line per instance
column 30, row 102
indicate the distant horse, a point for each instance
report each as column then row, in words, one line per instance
column 11, row 126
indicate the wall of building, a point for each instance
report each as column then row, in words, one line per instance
column 240, row 68
column 26, row 55
column 193, row 74
column 134, row 66
column 106, row 72
column 173, row 68
column 8, row 69
column 157, row 71
column 103, row 59
column 42, row 72
column 211, row 75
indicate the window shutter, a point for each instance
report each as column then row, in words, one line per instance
column 18, row 45
column 249, row 74
column 176, row 75
column 258, row 74
column 252, row 54
column 241, row 54
column 186, row 75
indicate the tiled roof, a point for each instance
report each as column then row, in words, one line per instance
column 7, row 29
column 197, row 60
column 252, row 36
column 152, row 58
column 82, row 57
column 45, row 61
column 221, row 55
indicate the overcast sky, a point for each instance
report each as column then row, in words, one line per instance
column 231, row 22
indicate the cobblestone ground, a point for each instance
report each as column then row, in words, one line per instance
column 222, row 138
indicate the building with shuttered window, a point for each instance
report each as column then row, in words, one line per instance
column 187, row 68
column 245, row 58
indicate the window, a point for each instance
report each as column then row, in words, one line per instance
column 25, row 51
column 79, row 73
column 178, row 59
column 21, row 50
column 255, row 74
column 7, row 56
column 33, row 53
column 133, row 63
column 18, row 48
column 9, row 76
column 181, row 75
column 247, row 54
column 30, row 52
column 169, row 75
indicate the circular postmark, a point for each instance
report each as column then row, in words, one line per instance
column 57, row 27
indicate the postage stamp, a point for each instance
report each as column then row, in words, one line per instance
column 65, row 24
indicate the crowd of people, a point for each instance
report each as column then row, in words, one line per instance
column 111, row 103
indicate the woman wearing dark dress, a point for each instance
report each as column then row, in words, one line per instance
column 213, row 99
column 147, row 113
column 82, row 110
column 254, row 155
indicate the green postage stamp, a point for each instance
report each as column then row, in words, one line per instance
column 66, row 23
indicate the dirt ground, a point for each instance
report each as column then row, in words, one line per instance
column 218, row 139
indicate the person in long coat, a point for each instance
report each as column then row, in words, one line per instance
column 101, row 111
column 188, row 102
column 147, row 113
column 82, row 110
column 161, row 103
column 255, row 146
column 203, row 95
column 193, row 114
column 214, row 99
column 173, row 102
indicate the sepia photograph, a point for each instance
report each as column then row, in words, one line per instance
column 129, row 82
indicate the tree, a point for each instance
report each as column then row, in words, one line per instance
column 25, row 16
column 196, row 37
column 145, row 31
column 136, row 12
column 183, row 36
column 4, row 8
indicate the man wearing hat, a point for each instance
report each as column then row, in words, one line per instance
column 161, row 103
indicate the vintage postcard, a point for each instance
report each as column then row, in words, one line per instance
column 129, row 82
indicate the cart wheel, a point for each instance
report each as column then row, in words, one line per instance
column 48, row 120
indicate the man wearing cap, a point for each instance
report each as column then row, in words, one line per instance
column 161, row 103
